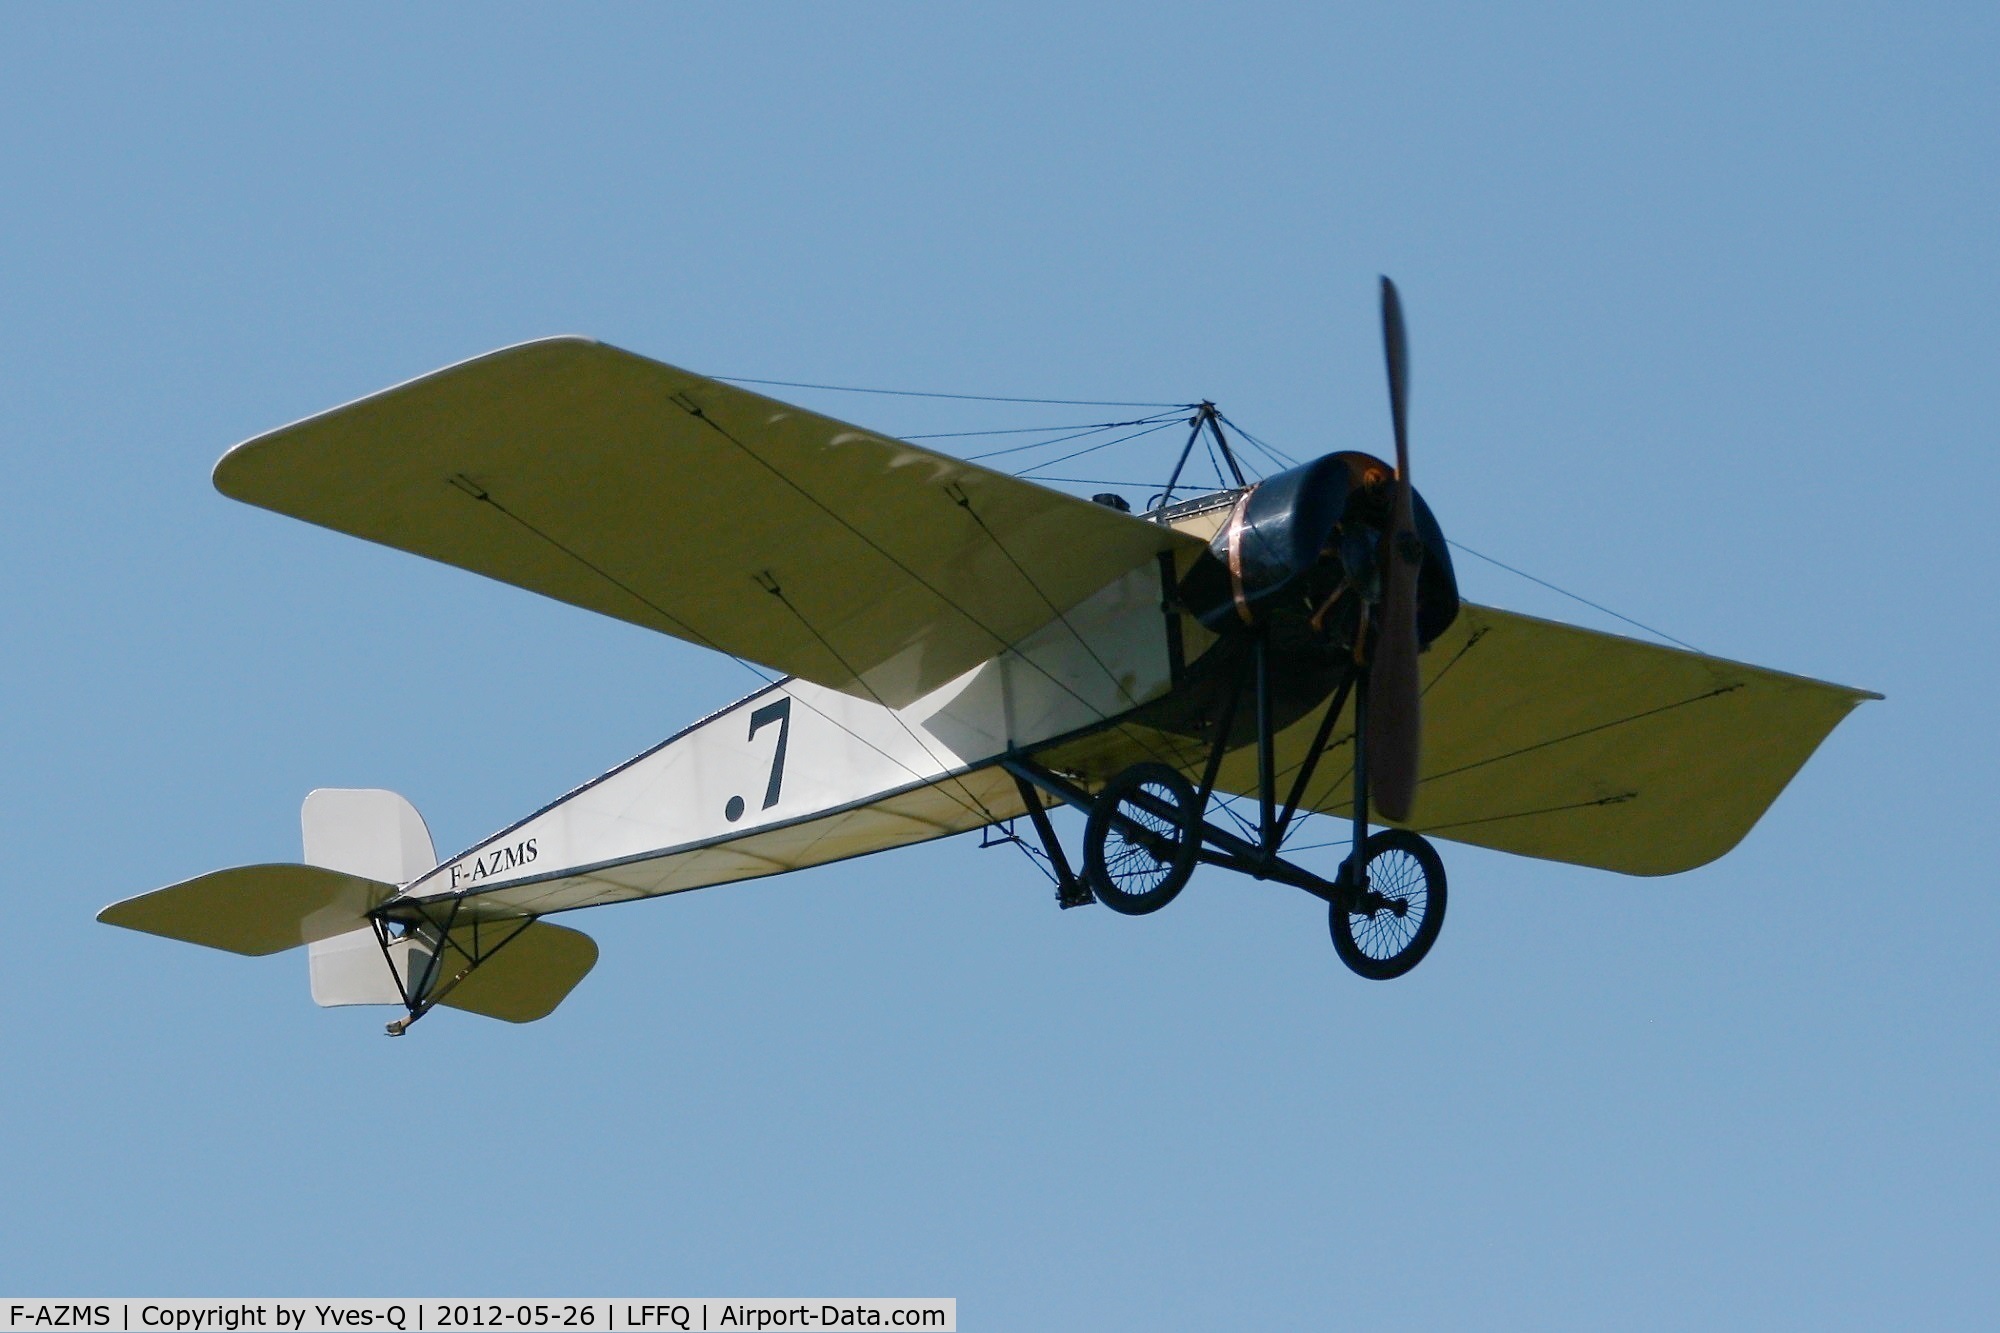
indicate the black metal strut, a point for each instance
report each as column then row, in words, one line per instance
column 1070, row 891
column 426, row 992
column 1205, row 418
column 1221, row 847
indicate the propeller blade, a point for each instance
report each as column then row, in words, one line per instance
column 1395, row 725
column 1396, row 349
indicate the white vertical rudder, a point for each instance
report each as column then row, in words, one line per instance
column 376, row 834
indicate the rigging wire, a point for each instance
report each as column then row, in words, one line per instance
column 1037, row 858
column 1080, row 428
column 1170, row 418
column 964, row 502
column 1272, row 452
column 1596, row 606
column 776, row 590
column 963, row 397
column 695, row 410
column 478, row 493
column 1085, row 481
column 1208, row 447
column 1034, row 472
column 1102, row 444
column 1316, row 846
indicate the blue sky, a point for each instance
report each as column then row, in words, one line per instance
column 1702, row 302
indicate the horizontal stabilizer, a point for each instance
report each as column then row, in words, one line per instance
column 255, row 909
column 527, row 977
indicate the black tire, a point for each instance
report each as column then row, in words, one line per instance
column 1136, row 859
column 1406, row 893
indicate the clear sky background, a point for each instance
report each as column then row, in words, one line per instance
column 1703, row 308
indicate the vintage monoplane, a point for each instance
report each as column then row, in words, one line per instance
column 961, row 649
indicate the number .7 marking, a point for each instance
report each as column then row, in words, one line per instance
column 779, row 712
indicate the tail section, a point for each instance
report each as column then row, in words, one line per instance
column 364, row 831
column 516, row 969
column 361, row 847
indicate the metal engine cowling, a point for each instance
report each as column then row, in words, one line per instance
column 1304, row 545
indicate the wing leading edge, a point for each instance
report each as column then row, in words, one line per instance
column 700, row 510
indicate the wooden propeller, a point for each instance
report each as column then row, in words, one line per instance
column 1395, row 725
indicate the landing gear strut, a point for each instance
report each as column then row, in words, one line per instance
column 1146, row 829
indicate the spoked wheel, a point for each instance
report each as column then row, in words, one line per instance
column 1140, row 842
column 1391, row 925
